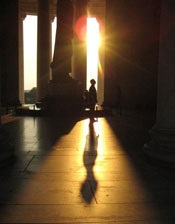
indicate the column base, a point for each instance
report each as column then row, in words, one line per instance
column 7, row 154
column 64, row 98
column 162, row 145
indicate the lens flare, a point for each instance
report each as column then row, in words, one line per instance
column 100, row 69
column 80, row 28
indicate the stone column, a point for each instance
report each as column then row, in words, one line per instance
column 7, row 152
column 79, row 62
column 6, row 148
column 61, row 65
column 10, row 51
column 43, row 49
column 162, row 144
column 21, row 58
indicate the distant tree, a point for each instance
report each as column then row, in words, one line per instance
column 30, row 96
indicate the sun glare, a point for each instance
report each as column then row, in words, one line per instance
column 93, row 43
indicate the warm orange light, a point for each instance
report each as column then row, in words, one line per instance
column 80, row 28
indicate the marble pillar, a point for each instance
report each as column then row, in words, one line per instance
column 79, row 60
column 10, row 52
column 6, row 148
column 43, row 49
column 162, row 144
column 61, row 64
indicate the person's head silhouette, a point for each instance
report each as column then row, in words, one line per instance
column 92, row 81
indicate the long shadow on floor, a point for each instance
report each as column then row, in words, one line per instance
column 30, row 136
column 158, row 180
column 89, row 157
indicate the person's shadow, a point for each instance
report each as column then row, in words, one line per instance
column 89, row 186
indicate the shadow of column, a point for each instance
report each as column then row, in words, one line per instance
column 89, row 186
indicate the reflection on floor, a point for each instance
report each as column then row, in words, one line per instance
column 72, row 171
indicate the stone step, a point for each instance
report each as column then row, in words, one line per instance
column 26, row 111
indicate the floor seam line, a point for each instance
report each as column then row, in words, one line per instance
column 25, row 169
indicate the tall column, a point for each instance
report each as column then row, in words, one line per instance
column 162, row 144
column 61, row 65
column 10, row 50
column 7, row 152
column 6, row 148
column 43, row 49
column 21, row 58
column 79, row 62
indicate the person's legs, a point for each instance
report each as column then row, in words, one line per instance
column 92, row 113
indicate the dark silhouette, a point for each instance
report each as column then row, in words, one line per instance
column 86, row 99
column 92, row 99
column 90, row 184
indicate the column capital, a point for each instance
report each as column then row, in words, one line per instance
column 80, row 2
column 22, row 16
column 52, row 17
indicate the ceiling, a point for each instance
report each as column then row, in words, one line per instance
column 95, row 7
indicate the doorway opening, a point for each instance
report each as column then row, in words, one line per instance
column 94, row 65
column 30, row 56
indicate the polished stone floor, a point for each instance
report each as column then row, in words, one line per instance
column 68, row 170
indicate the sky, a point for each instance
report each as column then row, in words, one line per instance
column 30, row 50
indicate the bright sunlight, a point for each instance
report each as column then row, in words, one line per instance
column 93, row 42
column 30, row 49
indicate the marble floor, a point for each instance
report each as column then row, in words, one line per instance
column 69, row 170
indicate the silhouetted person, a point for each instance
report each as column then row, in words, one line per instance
column 92, row 99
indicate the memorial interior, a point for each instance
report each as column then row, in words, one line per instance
column 56, row 164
